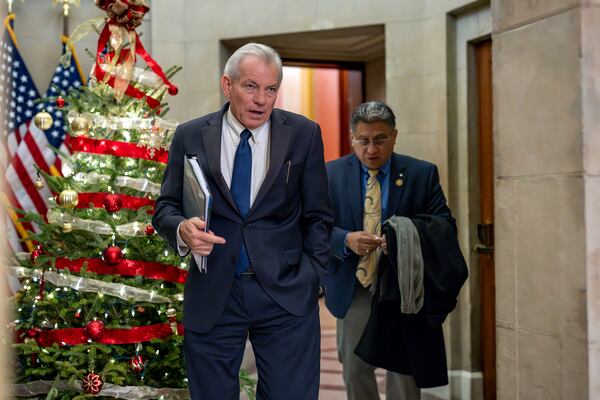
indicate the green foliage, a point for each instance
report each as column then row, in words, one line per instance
column 41, row 306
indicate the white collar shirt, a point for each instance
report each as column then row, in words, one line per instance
column 259, row 144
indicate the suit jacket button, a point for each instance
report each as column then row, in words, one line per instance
column 233, row 259
column 244, row 224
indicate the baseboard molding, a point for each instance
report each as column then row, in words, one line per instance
column 466, row 384
column 463, row 385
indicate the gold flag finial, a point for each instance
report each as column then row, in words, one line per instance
column 66, row 5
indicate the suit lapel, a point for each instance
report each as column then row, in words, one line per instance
column 211, row 137
column 397, row 175
column 280, row 137
column 354, row 184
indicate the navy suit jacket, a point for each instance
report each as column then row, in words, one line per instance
column 286, row 230
column 419, row 193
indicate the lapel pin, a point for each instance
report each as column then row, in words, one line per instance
column 400, row 180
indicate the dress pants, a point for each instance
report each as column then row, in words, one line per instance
column 359, row 377
column 287, row 348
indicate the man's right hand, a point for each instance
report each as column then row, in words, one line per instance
column 362, row 243
column 200, row 242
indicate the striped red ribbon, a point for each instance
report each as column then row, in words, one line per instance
column 97, row 200
column 147, row 269
column 73, row 336
column 115, row 148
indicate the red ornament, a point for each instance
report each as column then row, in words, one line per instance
column 78, row 315
column 112, row 255
column 136, row 363
column 149, row 230
column 36, row 253
column 92, row 383
column 33, row 333
column 112, row 202
column 60, row 102
column 94, row 329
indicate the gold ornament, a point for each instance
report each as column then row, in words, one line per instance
column 171, row 312
column 80, row 126
column 172, row 316
column 43, row 120
column 68, row 198
column 67, row 227
column 39, row 183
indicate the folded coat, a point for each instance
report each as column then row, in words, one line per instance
column 413, row 344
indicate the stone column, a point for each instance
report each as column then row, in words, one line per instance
column 546, row 97
column 590, row 70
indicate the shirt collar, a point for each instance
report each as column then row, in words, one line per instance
column 236, row 128
column 383, row 170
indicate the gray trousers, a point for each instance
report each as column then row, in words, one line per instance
column 359, row 377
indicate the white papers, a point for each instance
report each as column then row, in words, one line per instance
column 197, row 200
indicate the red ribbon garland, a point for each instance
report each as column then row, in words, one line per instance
column 130, row 202
column 147, row 269
column 115, row 148
column 73, row 336
column 141, row 51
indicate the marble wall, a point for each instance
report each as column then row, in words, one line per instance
column 545, row 70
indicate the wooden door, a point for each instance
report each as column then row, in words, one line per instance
column 485, row 228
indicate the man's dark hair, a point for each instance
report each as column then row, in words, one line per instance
column 373, row 111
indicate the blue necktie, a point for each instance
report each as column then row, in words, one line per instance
column 241, row 180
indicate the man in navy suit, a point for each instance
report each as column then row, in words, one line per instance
column 267, row 247
column 397, row 185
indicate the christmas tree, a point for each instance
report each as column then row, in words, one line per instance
column 100, row 308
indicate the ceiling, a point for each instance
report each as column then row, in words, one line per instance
column 352, row 45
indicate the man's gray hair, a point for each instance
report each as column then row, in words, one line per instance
column 372, row 111
column 268, row 54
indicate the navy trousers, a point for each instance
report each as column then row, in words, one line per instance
column 287, row 349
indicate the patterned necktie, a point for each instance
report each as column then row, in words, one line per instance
column 241, row 180
column 372, row 224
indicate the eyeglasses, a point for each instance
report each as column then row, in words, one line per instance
column 378, row 142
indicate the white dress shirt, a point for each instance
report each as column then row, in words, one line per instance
column 259, row 144
column 230, row 139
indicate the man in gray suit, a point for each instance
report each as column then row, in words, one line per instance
column 366, row 188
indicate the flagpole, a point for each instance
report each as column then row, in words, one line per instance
column 66, row 7
column 66, row 18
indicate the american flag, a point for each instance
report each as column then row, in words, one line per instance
column 17, row 94
column 64, row 78
column 26, row 144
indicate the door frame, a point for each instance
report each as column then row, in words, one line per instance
column 485, row 226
